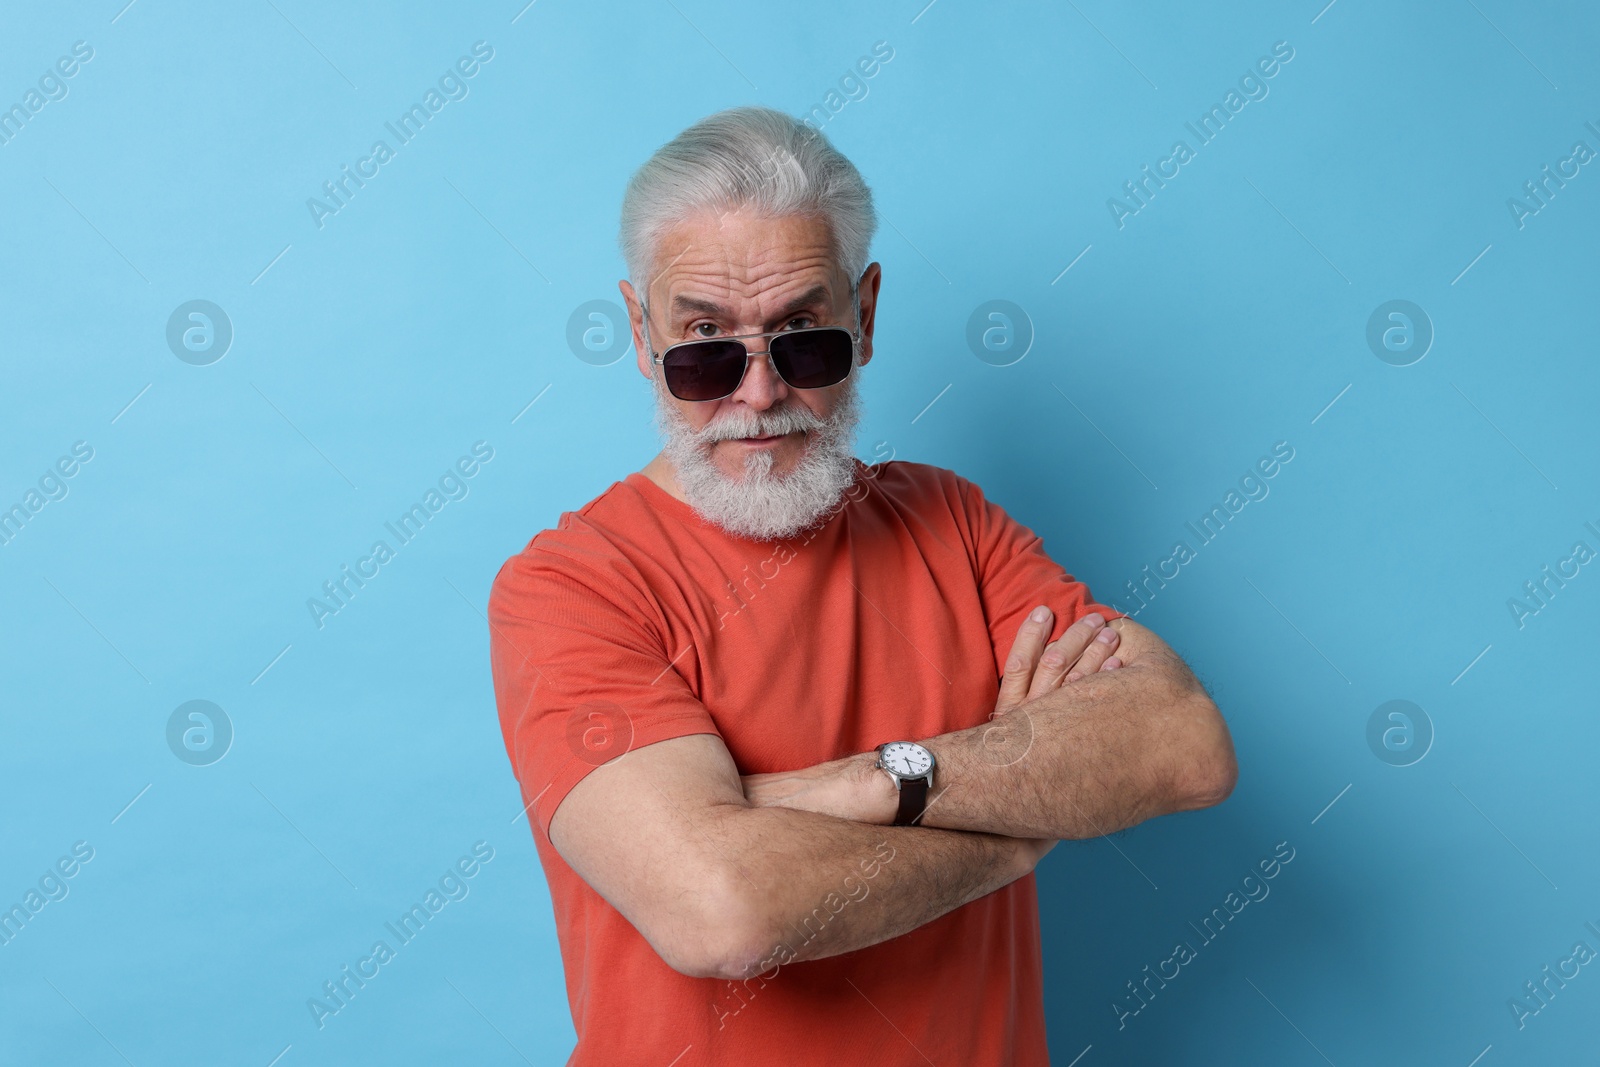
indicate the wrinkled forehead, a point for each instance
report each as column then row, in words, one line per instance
column 745, row 266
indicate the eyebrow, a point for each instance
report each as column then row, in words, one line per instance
column 813, row 297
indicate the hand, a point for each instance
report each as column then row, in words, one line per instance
column 850, row 788
column 1034, row 668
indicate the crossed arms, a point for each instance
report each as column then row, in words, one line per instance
column 714, row 870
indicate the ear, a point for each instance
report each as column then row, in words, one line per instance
column 636, row 324
column 867, row 290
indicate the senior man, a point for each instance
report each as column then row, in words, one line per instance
column 793, row 731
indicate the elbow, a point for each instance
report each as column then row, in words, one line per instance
column 718, row 954
column 706, row 961
column 1208, row 769
column 724, row 935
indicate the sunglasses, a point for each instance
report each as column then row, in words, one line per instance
column 712, row 369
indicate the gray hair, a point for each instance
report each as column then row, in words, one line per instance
column 747, row 157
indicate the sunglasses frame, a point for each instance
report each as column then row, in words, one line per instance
column 659, row 359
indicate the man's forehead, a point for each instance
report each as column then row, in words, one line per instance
column 734, row 258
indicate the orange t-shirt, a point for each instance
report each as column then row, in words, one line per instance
column 891, row 621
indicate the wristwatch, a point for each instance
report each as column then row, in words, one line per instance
column 911, row 767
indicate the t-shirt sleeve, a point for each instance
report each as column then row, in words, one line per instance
column 1015, row 575
column 581, row 674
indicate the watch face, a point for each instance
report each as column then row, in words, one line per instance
column 906, row 759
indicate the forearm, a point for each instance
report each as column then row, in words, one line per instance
column 819, row 886
column 1098, row 755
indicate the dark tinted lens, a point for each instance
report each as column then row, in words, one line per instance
column 813, row 359
column 704, row 370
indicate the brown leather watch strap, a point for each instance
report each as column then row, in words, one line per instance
column 913, row 799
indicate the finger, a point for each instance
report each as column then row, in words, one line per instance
column 1111, row 664
column 1052, row 669
column 1100, row 649
column 1095, row 656
column 1065, row 654
column 1070, row 646
column 1023, row 658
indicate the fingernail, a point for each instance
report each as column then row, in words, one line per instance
column 1107, row 634
column 1040, row 614
column 1094, row 618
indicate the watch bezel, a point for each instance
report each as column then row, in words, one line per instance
column 933, row 762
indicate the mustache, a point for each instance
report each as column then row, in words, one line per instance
column 760, row 424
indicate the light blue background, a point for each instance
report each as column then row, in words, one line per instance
column 370, row 353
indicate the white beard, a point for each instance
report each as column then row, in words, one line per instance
column 762, row 506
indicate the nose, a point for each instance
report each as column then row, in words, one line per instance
column 762, row 387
